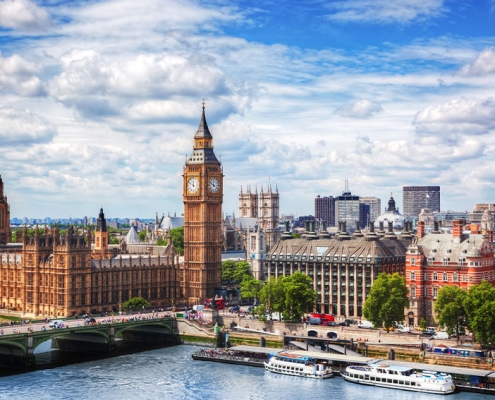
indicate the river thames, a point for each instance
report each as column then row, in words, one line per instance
column 170, row 373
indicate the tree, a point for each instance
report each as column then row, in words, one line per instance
column 299, row 296
column 242, row 268
column 228, row 270
column 113, row 240
column 135, row 303
column 480, row 309
column 250, row 287
column 178, row 239
column 386, row 301
column 272, row 296
column 161, row 242
column 142, row 236
column 422, row 324
column 450, row 309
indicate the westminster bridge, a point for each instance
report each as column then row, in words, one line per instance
column 17, row 349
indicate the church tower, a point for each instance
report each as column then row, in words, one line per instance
column 5, row 236
column 270, row 216
column 248, row 203
column 203, row 197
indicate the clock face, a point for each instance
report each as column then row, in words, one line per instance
column 213, row 185
column 193, row 185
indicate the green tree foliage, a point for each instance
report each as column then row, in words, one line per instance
column 422, row 324
column 386, row 301
column 450, row 309
column 272, row 296
column 178, row 239
column 113, row 240
column 136, row 303
column 235, row 271
column 480, row 309
column 228, row 268
column 299, row 296
column 250, row 287
column 161, row 242
column 296, row 235
column 142, row 236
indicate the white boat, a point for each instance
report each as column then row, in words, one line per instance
column 387, row 375
column 290, row 364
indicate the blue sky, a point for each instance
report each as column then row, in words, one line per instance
column 99, row 100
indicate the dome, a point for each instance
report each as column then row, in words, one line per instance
column 391, row 214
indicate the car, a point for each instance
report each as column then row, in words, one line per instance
column 344, row 323
column 90, row 321
column 332, row 335
column 404, row 329
column 55, row 324
column 313, row 321
column 327, row 323
column 365, row 325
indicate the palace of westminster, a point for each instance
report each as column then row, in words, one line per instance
column 77, row 272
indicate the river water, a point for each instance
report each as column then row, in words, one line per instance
column 171, row 373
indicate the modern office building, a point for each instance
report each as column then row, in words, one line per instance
column 347, row 210
column 478, row 210
column 325, row 209
column 375, row 206
column 417, row 197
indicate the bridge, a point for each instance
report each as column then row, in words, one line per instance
column 18, row 349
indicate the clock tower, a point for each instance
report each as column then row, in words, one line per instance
column 203, row 197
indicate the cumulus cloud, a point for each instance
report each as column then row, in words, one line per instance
column 23, row 15
column 483, row 65
column 361, row 109
column 24, row 128
column 20, row 76
column 464, row 116
column 385, row 11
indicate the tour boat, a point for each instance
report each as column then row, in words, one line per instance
column 290, row 364
column 399, row 377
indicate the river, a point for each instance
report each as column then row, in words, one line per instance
column 170, row 373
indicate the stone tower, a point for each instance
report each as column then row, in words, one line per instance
column 203, row 197
column 270, row 215
column 248, row 203
column 101, row 237
column 5, row 236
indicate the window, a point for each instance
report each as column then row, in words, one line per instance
column 435, row 276
column 445, row 261
column 413, row 262
column 460, row 261
column 435, row 292
column 464, row 278
column 430, row 261
column 413, row 276
column 455, row 277
column 425, row 276
column 413, row 292
column 426, row 291
column 445, row 277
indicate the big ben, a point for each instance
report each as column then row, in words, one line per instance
column 203, row 197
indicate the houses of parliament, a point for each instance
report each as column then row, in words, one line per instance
column 50, row 273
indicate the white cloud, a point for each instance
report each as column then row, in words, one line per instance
column 19, row 76
column 464, row 116
column 385, row 11
column 361, row 109
column 23, row 15
column 483, row 65
column 24, row 128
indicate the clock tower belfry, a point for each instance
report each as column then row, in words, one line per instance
column 203, row 197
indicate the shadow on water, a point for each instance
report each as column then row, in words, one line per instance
column 48, row 358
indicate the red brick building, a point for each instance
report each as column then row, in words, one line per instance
column 435, row 260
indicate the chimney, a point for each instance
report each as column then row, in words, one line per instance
column 421, row 229
column 457, row 230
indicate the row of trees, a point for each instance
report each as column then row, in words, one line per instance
column 456, row 309
column 291, row 296
column 474, row 309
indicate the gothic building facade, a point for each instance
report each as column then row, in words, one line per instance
column 4, row 217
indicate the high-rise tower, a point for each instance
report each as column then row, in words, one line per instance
column 203, row 197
